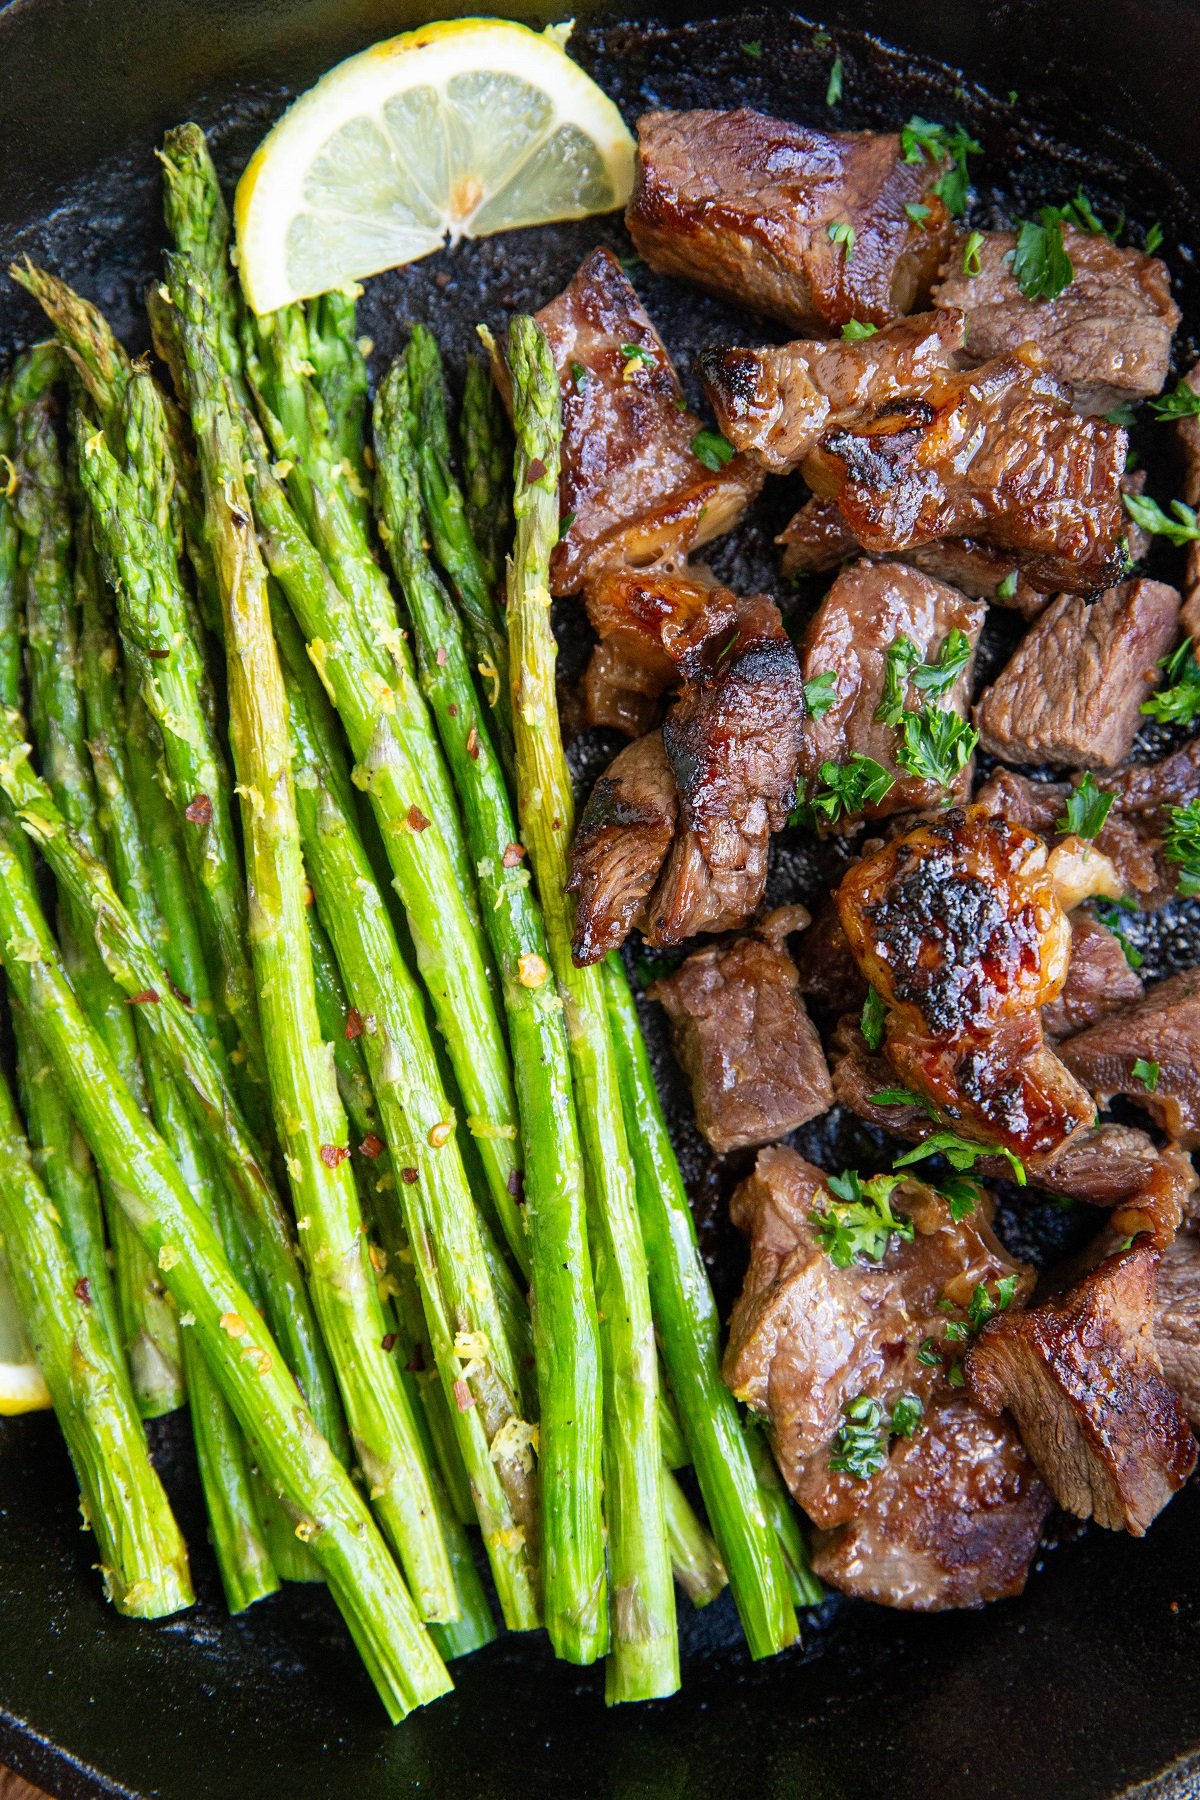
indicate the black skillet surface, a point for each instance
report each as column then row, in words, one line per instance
column 1082, row 1688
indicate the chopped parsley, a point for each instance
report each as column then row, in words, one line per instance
column 1177, row 701
column 842, row 233
column 860, row 1444
column 1040, row 262
column 847, row 788
column 972, row 263
column 833, row 92
column 580, row 376
column 1122, row 415
column 856, row 329
column 918, row 212
column 960, row 1153
column 1087, row 809
column 820, row 694
column 929, row 1354
column 1181, row 843
column 961, row 1194
column 897, row 1096
column 753, row 48
column 984, row 1306
column 1182, row 402
column 871, row 1023
column 1154, row 238
column 936, row 678
column 1081, row 213
column 902, row 656
column 860, row 1222
column 955, row 1375
column 1182, row 529
column 636, row 357
column 1109, row 914
column 941, row 143
column 565, row 524
column 710, row 448
column 1007, row 589
column 937, row 745
column 821, row 40
column 907, row 1414
column 1147, row 1073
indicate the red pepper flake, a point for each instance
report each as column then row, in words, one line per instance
column 354, row 1024
column 452, row 709
column 441, row 656
column 556, row 825
column 389, row 1340
column 147, row 997
column 158, row 655
column 516, row 1186
column 473, row 744
column 371, row 1146
column 464, row 1399
column 83, row 1290
column 514, row 854
column 199, row 811
column 535, row 471
column 333, row 1154
column 416, row 1362
column 408, row 1175
column 417, row 820
column 183, row 999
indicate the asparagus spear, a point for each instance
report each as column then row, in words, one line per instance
column 143, row 1558
column 645, row 1653
column 486, row 448
column 806, row 1589
column 340, row 372
column 147, row 1324
column 694, row 1559
column 555, row 1249
column 466, row 1328
column 689, row 1332
column 294, row 1456
column 453, row 539
column 310, row 1122
column 198, row 221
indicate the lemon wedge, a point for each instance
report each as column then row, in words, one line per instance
column 460, row 129
column 22, row 1388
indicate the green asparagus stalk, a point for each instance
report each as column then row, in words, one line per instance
column 645, row 1653
column 252, row 1375
column 555, row 1247
column 466, row 1328
column 143, row 1558
column 138, row 971
column 806, row 1589
column 486, row 449
column 453, row 539
column 689, row 1333
column 310, row 1121
column 198, row 221
column 694, row 1559
column 340, row 372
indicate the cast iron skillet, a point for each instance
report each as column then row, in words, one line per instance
column 1088, row 1684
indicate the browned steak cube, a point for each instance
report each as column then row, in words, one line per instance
column 743, row 205
column 1188, row 431
column 1099, row 980
column 1073, row 690
column 1161, row 1032
column 1107, row 335
column 1177, row 1320
column 645, row 619
column 744, row 1039
column 621, row 842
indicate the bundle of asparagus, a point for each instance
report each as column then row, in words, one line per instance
column 471, row 1282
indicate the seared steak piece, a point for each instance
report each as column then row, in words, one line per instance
column 808, row 1338
column 816, row 538
column 1072, row 692
column 632, row 488
column 775, row 403
column 621, row 843
column 647, row 621
column 1132, row 842
column 744, row 1039
column 1099, row 980
column 1080, row 1374
column 1107, row 335
column 869, row 607
column 1177, row 1320
column 1161, row 1031
column 959, row 928
column 743, row 205
column 825, row 965
column 996, row 454
column 1188, row 431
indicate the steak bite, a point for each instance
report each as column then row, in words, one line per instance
column 1080, row 1374
column 826, row 968
column 1072, row 692
column 996, row 454
column 621, row 843
column 960, row 930
column 1149, row 1051
column 1099, row 980
column 775, row 403
column 947, row 1516
column 1188, row 433
column 744, row 1039
column 742, row 205
column 1107, row 335
column 1177, row 1320
column 632, row 488
column 870, row 608
column 646, row 620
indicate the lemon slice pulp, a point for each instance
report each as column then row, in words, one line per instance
column 459, row 129
column 22, row 1388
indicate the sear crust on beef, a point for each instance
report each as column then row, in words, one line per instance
column 806, row 1338
column 1107, row 335
column 1072, row 692
column 775, row 403
column 621, row 843
column 868, row 607
column 995, row 454
column 647, row 621
column 1080, row 1374
column 825, row 966
column 741, row 204
column 632, row 487
column 959, row 928
column 1161, row 1030
column 744, row 1039
column 1177, row 1320
column 1099, row 980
